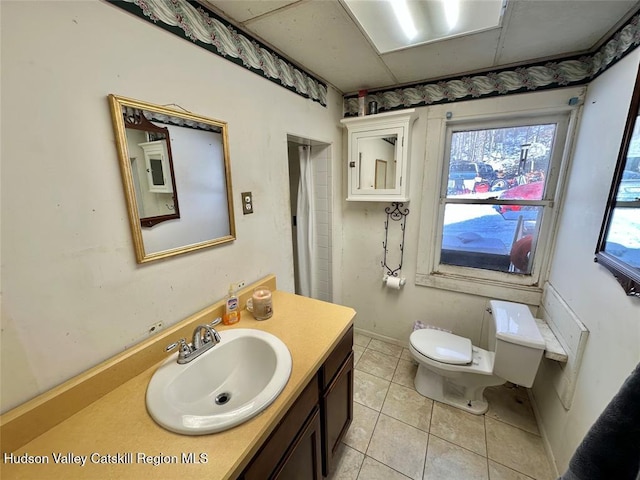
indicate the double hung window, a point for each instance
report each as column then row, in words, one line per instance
column 496, row 199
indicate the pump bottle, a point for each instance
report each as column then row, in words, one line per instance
column 232, row 308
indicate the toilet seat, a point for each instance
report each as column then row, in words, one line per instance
column 442, row 346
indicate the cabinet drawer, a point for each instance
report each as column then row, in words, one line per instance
column 330, row 368
column 267, row 459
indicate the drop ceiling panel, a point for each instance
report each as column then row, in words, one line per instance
column 424, row 21
column 446, row 58
column 321, row 37
column 244, row 10
column 538, row 29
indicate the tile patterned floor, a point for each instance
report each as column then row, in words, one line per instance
column 397, row 434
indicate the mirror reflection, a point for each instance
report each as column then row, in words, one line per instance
column 376, row 169
column 149, row 150
column 166, row 155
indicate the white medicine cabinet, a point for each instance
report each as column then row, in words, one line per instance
column 378, row 156
column 156, row 159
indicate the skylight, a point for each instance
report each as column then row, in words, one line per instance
column 398, row 24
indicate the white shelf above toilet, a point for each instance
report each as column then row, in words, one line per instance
column 553, row 349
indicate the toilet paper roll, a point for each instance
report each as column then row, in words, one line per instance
column 395, row 282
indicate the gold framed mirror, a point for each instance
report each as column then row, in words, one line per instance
column 164, row 155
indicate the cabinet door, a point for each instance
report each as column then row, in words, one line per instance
column 278, row 446
column 337, row 412
column 303, row 460
column 378, row 156
column 376, row 164
column 158, row 166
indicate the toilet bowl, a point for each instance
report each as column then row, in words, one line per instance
column 453, row 371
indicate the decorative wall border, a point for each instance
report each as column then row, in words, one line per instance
column 560, row 73
column 191, row 21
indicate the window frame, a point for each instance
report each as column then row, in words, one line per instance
column 508, row 286
column 626, row 274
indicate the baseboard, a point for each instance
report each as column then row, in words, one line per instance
column 377, row 336
column 543, row 434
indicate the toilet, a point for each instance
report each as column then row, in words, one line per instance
column 453, row 371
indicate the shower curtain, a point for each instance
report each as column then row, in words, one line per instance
column 305, row 224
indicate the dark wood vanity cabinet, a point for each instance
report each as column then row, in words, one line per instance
column 336, row 402
column 303, row 445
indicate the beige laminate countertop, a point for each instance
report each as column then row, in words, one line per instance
column 118, row 424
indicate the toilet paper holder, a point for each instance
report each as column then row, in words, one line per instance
column 401, row 281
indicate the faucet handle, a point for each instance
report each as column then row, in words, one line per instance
column 215, row 322
column 185, row 349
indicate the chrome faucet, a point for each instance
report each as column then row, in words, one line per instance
column 204, row 337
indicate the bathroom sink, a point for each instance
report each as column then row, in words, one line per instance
column 222, row 388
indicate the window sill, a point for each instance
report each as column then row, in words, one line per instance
column 530, row 295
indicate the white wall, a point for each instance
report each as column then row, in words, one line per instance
column 613, row 319
column 72, row 292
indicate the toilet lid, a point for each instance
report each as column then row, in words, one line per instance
column 442, row 346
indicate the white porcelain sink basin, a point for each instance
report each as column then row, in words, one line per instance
column 224, row 387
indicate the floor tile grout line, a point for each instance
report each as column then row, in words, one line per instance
column 518, row 470
column 382, row 463
column 372, row 433
column 379, row 351
column 364, row 457
column 486, row 443
column 457, row 445
column 397, row 359
column 399, row 419
column 511, row 468
column 512, row 425
column 426, row 452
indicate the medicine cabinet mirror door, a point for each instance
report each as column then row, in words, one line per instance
column 618, row 248
column 378, row 156
column 165, row 155
column 158, row 166
column 374, row 163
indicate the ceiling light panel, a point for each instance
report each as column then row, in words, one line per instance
column 398, row 24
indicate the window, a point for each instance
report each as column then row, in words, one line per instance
column 496, row 200
column 619, row 244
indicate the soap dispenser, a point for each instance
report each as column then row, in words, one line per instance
column 231, row 308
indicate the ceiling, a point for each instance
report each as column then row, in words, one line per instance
column 322, row 37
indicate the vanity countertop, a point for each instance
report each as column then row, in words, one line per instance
column 117, row 439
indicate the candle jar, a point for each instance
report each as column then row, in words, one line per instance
column 261, row 303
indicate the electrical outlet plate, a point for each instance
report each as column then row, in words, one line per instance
column 155, row 328
column 240, row 285
column 247, row 203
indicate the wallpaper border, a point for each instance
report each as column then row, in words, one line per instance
column 191, row 21
column 570, row 71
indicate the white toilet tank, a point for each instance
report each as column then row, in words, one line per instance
column 517, row 342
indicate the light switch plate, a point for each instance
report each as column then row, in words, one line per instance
column 247, row 203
